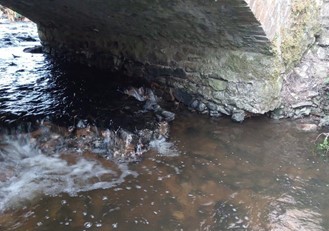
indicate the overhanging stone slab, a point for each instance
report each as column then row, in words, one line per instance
column 247, row 44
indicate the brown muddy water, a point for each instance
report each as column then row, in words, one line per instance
column 211, row 174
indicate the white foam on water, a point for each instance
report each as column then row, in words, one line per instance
column 164, row 147
column 30, row 173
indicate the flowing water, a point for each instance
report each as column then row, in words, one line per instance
column 211, row 174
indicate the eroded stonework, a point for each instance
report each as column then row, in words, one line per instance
column 306, row 88
column 219, row 57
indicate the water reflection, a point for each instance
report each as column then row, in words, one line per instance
column 32, row 86
column 25, row 88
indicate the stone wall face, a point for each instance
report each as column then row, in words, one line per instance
column 306, row 87
column 272, row 14
column 219, row 57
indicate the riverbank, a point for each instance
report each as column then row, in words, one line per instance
column 305, row 90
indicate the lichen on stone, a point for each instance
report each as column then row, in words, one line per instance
column 298, row 36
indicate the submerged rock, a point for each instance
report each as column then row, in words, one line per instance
column 34, row 50
column 151, row 102
column 238, row 116
column 165, row 116
column 117, row 144
column 124, row 144
column 307, row 127
column 141, row 94
column 229, row 217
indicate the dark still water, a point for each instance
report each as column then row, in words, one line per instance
column 33, row 87
column 210, row 174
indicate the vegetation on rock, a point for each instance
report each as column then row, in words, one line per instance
column 303, row 29
column 322, row 144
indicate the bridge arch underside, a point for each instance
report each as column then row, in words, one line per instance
column 217, row 56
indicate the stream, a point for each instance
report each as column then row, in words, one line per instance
column 57, row 171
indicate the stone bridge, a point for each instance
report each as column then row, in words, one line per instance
column 217, row 56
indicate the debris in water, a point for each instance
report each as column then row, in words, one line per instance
column 151, row 104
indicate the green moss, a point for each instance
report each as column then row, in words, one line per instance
column 250, row 66
column 217, row 84
column 299, row 35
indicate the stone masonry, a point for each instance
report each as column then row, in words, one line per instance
column 219, row 57
column 306, row 87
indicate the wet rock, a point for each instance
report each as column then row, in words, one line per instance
column 126, row 136
column 182, row 96
column 299, row 113
column 307, row 127
column 201, row 107
column 215, row 114
column 167, row 116
column 162, row 130
column 151, row 106
column 324, row 122
column 145, row 135
column 238, row 116
column 120, row 144
column 223, row 110
column 302, row 104
column 198, row 105
column 34, row 50
column 194, row 104
column 127, row 145
column 26, row 38
column 212, row 106
column 278, row 114
column 138, row 93
column 82, row 124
